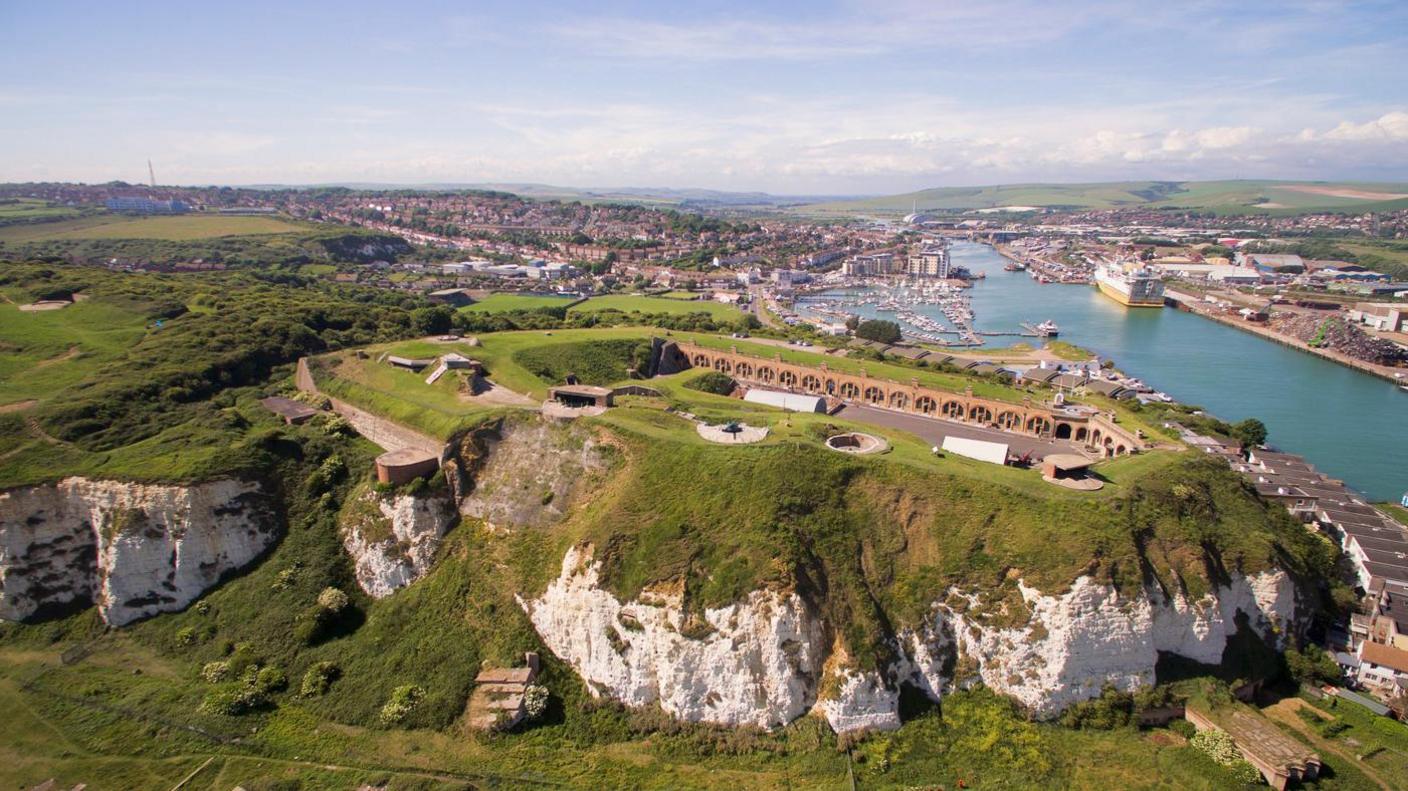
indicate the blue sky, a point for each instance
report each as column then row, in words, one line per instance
column 816, row 97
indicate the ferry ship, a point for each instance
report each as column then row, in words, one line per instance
column 1131, row 284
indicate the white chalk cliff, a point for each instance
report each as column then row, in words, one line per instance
column 761, row 661
column 756, row 662
column 133, row 550
column 399, row 546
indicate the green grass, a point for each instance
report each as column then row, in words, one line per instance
column 42, row 352
column 501, row 354
column 31, row 209
column 638, row 304
column 177, row 228
column 1396, row 511
column 1386, row 739
column 502, row 303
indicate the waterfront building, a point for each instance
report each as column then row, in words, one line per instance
column 930, row 261
column 137, row 204
column 1382, row 316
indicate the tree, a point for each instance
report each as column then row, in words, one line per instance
column 852, row 321
column 1250, row 432
column 435, row 320
column 879, row 330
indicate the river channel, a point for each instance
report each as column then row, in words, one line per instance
column 1348, row 424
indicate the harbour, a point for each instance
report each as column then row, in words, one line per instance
column 1335, row 416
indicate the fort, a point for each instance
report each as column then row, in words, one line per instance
column 1087, row 427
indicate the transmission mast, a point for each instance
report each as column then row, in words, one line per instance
column 151, row 172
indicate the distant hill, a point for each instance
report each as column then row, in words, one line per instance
column 1223, row 197
column 647, row 196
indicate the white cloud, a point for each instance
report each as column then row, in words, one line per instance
column 1390, row 126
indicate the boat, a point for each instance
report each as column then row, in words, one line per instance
column 1130, row 284
column 1014, row 266
column 1048, row 329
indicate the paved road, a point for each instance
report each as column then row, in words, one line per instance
column 933, row 431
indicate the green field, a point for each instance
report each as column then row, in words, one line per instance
column 179, row 228
column 503, row 303
column 1221, row 196
column 45, row 351
column 639, row 304
column 31, row 209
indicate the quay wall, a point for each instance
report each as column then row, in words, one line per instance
column 1186, row 303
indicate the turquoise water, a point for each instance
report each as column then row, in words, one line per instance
column 1349, row 425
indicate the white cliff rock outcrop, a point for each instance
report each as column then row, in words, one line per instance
column 760, row 660
column 395, row 544
column 134, row 550
column 757, row 664
column 861, row 702
column 1075, row 644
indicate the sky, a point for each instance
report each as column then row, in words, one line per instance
column 838, row 98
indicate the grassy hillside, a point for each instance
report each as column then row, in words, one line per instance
column 735, row 516
column 153, row 377
column 640, row 304
column 870, row 540
column 1222, row 196
column 232, row 240
column 503, row 303
column 176, row 228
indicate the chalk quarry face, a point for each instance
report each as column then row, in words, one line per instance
column 769, row 658
column 133, row 550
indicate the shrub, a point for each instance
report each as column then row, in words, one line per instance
column 215, row 672
column 333, row 600
column 233, row 701
column 1217, row 745
column 1183, row 728
column 186, row 635
column 285, row 578
column 535, row 701
column 712, row 382
column 1113, row 709
column 402, row 702
column 879, row 330
column 1244, row 772
column 270, row 680
column 318, row 680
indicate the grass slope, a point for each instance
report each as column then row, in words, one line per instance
column 503, row 303
column 177, row 228
column 639, row 304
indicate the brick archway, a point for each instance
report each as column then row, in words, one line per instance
column 1096, row 432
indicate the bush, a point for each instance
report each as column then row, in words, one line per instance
column 233, row 701
column 1113, row 709
column 270, row 680
column 1217, row 745
column 318, row 680
column 535, row 701
column 403, row 701
column 879, row 330
column 333, row 600
column 215, row 672
column 1183, row 728
column 712, row 382
column 1244, row 772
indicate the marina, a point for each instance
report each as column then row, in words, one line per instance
column 1335, row 416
